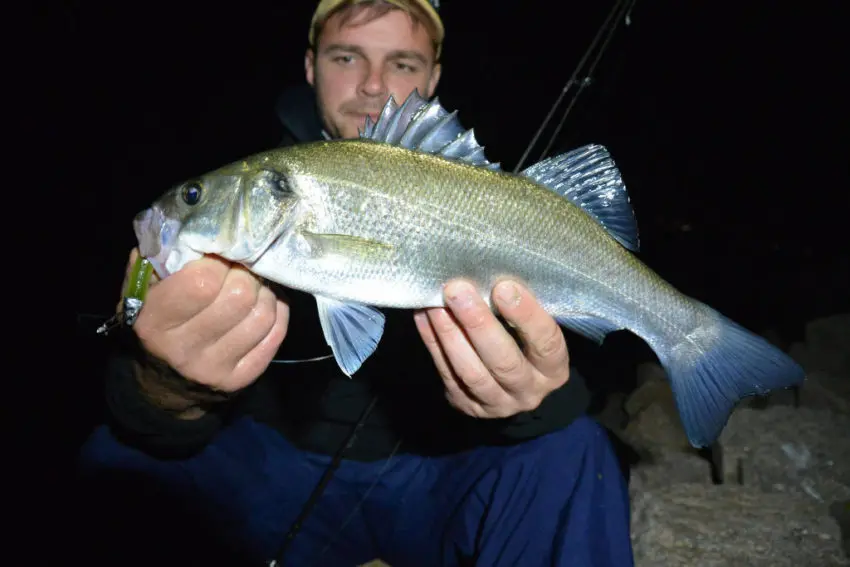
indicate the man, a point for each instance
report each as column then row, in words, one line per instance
column 467, row 450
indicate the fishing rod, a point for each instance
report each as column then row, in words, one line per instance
column 620, row 11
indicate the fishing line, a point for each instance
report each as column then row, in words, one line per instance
column 621, row 9
column 294, row 361
column 82, row 316
column 572, row 80
column 627, row 7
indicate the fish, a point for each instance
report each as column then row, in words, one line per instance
column 384, row 220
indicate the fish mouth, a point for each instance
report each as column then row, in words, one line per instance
column 157, row 234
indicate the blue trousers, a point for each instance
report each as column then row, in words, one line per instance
column 558, row 500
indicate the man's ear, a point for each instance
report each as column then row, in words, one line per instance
column 309, row 68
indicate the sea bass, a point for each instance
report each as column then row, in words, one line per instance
column 384, row 221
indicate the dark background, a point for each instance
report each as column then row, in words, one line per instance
column 727, row 119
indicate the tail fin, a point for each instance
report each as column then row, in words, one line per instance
column 716, row 368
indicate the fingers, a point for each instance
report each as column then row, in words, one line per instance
column 545, row 345
column 185, row 293
column 213, row 322
column 239, row 300
column 472, row 350
column 241, row 337
column 456, row 391
column 488, row 341
column 258, row 354
column 426, row 331
column 459, row 354
column 486, row 373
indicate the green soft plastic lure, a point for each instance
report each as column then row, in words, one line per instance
column 134, row 296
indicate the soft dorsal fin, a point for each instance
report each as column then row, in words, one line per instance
column 426, row 127
column 589, row 178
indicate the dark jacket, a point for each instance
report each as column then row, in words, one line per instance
column 314, row 405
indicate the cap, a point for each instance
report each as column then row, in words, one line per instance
column 430, row 7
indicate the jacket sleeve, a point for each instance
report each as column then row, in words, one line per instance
column 136, row 422
column 557, row 410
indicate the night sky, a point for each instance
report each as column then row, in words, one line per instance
column 726, row 121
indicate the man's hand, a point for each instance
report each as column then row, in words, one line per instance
column 486, row 373
column 213, row 323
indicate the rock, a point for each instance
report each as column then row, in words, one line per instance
column 783, row 449
column 654, row 431
column 841, row 512
column 657, row 427
column 653, row 420
column 647, row 372
column 662, row 470
column 827, row 364
column 612, row 415
column 828, row 344
column 826, row 391
column 726, row 525
column 785, row 463
column 826, row 358
column 825, row 355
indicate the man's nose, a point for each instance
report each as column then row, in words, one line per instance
column 373, row 82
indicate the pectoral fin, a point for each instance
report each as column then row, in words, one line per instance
column 352, row 330
column 328, row 245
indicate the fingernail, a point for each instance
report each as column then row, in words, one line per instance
column 508, row 293
column 459, row 294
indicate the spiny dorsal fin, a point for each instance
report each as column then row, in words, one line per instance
column 589, row 178
column 426, row 127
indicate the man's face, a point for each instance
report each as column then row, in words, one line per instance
column 357, row 67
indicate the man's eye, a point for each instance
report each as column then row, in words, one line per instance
column 406, row 68
column 344, row 59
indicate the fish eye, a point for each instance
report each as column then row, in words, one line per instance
column 191, row 193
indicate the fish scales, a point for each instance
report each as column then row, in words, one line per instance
column 387, row 220
column 485, row 224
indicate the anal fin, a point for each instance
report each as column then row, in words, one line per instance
column 588, row 326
